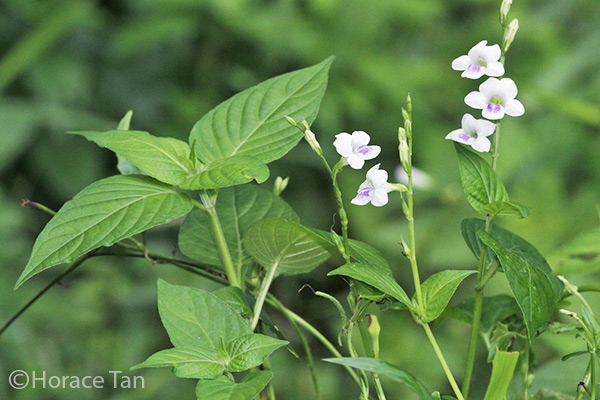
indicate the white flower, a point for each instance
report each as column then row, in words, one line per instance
column 374, row 189
column 496, row 97
column 421, row 179
column 474, row 132
column 354, row 148
column 481, row 60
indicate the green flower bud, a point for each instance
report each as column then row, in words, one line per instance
column 511, row 31
column 280, row 185
column 504, row 9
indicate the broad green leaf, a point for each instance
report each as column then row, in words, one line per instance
column 123, row 165
column 547, row 394
column 376, row 276
column 383, row 368
column 103, row 213
column 503, row 369
column 287, row 246
column 223, row 388
column 537, row 291
column 438, row 289
column 481, row 184
column 238, row 208
column 187, row 362
column 170, row 160
column 197, row 318
column 235, row 298
column 580, row 255
column 495, row 309
column 253, row 122
column 250, row 351
column 510, row 241
column 506, row 209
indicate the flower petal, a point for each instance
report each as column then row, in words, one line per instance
column 508, row 89
column 380, row 197
column 461, row 63
column 491, row 87
column 493, row 53
column 476, row 100
column 484, row 127
column 494, row 69
column 356, row 161
column 360, row 138
column 473, row 71
column 369, row 152
column 343, row 144
column 460, row 136
column 468, row 122
column 378, row 177
column 362, row 198
column 482, row 144
column 493, row 111
column 514, row 108
column 477, row 50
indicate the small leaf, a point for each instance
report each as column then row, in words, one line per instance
column 102, row 214
column 250, row 351
column 481, row 184
column 226, row 172
column 238, row 208
column 123, row 165
column 197, row 318
column 223, row 388
column 376, row 276
column 503, row 370
column 537, row 291
column 187, row 362
column 235, row 298
column 253, row 123
column 438, row 289
column 287, row 246
column 506, row 209
column 384, row 368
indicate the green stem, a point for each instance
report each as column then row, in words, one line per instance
column 311, row 364
column 262, row 294
column 443, row 362
column 593, row 374
column 369, row 351
column 209, row 206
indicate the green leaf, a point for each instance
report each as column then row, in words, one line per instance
column 187, row 362
column 170, row 160
column 253, row 122
column 510, row 241
column 250, row 351
column 197, row 318
column 384, row 368
column 495, row 309
column 481, row 184
column 537, row 291
column 238, row 208
column 235, row 298
column 579, row 255
column 103, row 213
column 223, row 388
column 503, row 370
column 287, row 246
column 123, row 165
column 506, row 209
column 438, row 289
column 376, row 276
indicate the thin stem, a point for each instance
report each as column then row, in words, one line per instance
column 209, row 207
column 443, row 362
column 413, row 245
column 311, row 364
column 369, row 351
column 262, row 294
column 66, row 272
column 593, row 374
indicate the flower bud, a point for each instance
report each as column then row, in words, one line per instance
column 409, row 104
column 280, row 185
column 401, row 134
column 338, row 243
column 504, row 9
column 374, row 330
column 312, row 141
column 291, row 121
column 511, row 31
column 404, row 154
column 405, row 115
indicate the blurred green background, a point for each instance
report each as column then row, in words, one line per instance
column 81, row 65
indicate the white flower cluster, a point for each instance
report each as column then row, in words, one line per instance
column 496, row 97
column 354, row 149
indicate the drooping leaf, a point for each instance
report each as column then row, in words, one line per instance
column 170, row 160
column 197, row 318
column 438, row 289
column 503, row 369
column 537, row 291
column 238, row 208
column 481, row 184
column 580, row 255
column 235, row 298
column 250, row 351
column 287, row 246
column 376, row 276
column 383, row 368
column 510, row 241
column 253, row 122
column 187, row 362
column 103, row 213
column 506, row 209
column 494, row 309
column 223, row 388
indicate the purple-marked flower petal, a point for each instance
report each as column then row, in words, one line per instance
column 355, row 148
column 480, row 60
column 374, row 189
column 473, row 133
column 495, row 98
column 493, row 111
